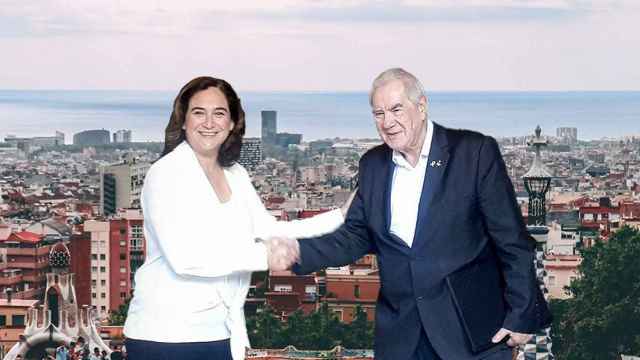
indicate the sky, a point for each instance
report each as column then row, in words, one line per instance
column 318, row 45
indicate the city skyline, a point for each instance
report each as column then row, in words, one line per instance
column 324, row 115
column 297, row 45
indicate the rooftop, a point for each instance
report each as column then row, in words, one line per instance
column 18, row 302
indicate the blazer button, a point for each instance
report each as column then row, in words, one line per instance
column 419, row 298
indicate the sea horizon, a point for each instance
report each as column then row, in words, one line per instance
column 325, row 114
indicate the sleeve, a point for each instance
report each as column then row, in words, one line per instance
column 512, row 241
column 266, row 225
column 180, row 231
column 344, row 246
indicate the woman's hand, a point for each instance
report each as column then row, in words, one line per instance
column 345, row 207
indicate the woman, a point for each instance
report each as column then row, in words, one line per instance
column 201, row 218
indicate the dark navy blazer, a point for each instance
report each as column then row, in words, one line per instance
column 470, row 269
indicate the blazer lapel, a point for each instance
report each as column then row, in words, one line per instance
column 387, row 169
column 433, row 181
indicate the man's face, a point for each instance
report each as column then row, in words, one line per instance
column 400, row 123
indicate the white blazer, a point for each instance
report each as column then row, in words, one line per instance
column 201, row 252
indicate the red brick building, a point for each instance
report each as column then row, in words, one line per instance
column 126, row 255
column 24, row 261
column 604, row 218
column 288, row 292
column 119, row 263
column 629, row 209
column 80, row 250
column 345, row 292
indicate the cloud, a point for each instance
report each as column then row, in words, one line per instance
column 163, row 17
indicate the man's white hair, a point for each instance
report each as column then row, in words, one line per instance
column 412, row 86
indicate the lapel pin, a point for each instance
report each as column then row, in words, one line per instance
column 436, row 163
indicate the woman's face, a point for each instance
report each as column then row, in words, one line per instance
column 208, row 121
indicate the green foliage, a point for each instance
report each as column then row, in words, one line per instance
column 602, row 320
column 320, row 330
column 265, row 329
column 359, row 334
column 118, row 317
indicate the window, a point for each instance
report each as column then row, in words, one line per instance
column 17, row 320
column 103, row 257
column 103, row 295
column 94, row 269
column 123, row 231
column 3, row 320
column 572, row 279
column 103, row 269
column 123, row 283
column 310, row 289
column 123, row 295
column 123, row 256
column 94, row 295
column 103, row 282
column 94, row 256
column 356, row 291
column 123, row 243
column 339, row 313
column 103, row 308
column 552, row 280
column 94, row 283
column 283, row 288
column 123, row 270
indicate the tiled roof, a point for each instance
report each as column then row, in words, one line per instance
column 26, row 236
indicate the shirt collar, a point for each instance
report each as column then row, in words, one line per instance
column 399, row 159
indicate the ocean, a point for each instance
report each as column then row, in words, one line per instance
column 323, row 115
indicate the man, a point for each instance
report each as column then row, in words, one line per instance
column 438, row 209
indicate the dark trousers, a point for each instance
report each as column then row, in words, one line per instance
column 424, row 351
column 151, row 350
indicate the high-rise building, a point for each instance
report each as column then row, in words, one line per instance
column 100, row 269
column 91, row 138
column 285, row 139
column 122, row 136
column 568, row 135
column 121, row 185
column 33, row 143
column 80, row 249
column 251, row 153
column 117, row 251
column 269, row 127
column 126, row 240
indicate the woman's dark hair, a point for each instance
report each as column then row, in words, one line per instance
column 174, row 134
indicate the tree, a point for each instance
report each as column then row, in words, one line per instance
column 359, row 334
column 265, row 330
column 118, row 317
column 602, row 320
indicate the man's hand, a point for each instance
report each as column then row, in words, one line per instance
column 282, row 253
column 515, row 338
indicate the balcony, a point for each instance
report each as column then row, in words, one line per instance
column 11, row 280
column 44, row 250
column 31, row 294
column 27, row 265
column 35, row 278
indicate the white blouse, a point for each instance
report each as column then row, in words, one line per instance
column 201, row 252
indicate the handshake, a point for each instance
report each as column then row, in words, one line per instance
column 282, row 253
